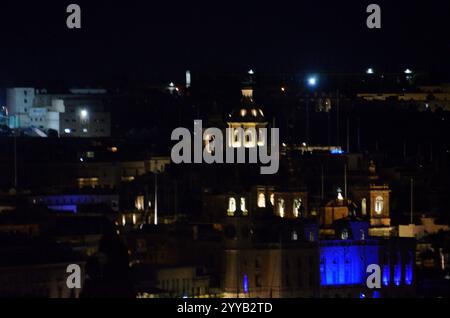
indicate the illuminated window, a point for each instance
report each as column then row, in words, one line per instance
column 311, row 237
column 124, row 220
column 379, row 204
column 231, row 206
column 272, row 199
column 261, row 200
column 139, row 203
column 249, row 138
column 243, row 208
column 261, row 138
column 87, row 182
column 134, row 219
column 344, row 234
column 364, row 206
column 294, row 236
column 254, row 113
column 243, row 112
column 339, row 195
column 281, row 207
column 237, row 137
column 296, row 207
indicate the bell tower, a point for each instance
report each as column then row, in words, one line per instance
column 379, row 205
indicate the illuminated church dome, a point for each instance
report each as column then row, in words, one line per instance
column 248, row 112
column 245, row 122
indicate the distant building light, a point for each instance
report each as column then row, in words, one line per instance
column 370, row 71
column 251, row 72
column 67, row 131
column 171, row 84
column 283, row 89
column 188, row 79
column 408, row 71
column 339, row 194
column 245, row 284
column 85, row 130
column 336, row 151
column 312, row 81
column 84, row 113
column 81, row 159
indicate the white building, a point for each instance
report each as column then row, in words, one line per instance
column 427, row 226
column 77, row 114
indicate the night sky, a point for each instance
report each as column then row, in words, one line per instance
column 135, row 40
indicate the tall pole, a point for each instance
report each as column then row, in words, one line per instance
column 156, row 199
column 412, row 201
column 359, row 134
column 15, row 163
column 345, row 180
column 337, row 118
column 348, row 135
column 307, row 120
column 322, row 184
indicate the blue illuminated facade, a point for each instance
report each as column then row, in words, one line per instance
column 345, row 262
column 386, row 275
column 409, row 269
column 245, row 284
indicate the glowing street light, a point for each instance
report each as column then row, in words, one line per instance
column 251, row 72
column 84, row 113
column 408, row 71
column 312, row 81
column 370, row 71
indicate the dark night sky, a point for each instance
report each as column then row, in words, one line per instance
column 137, row 39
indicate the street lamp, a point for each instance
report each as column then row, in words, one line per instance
column 84, row 114
column 370, row 71
column 312, row 81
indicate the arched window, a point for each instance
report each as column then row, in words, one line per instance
column 243, row 207
column 237, row 134
column 261, row 200
column 379, row 204
column 296, row 207
column 250, row 138
column 281, row 207
column 364, row 206
column 231, row 206
column 261, row 135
